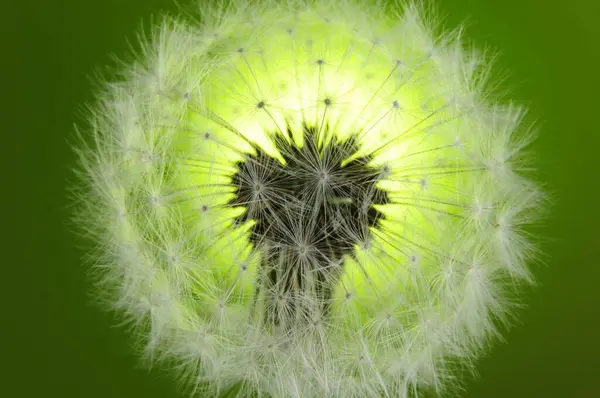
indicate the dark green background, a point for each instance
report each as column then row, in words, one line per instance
column 67, row 348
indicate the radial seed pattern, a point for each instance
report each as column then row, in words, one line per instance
column 308, row 200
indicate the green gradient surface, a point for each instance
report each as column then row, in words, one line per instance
column 66, row 347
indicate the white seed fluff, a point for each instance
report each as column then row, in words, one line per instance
column 308, row 199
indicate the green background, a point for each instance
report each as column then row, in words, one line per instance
column 61, row 345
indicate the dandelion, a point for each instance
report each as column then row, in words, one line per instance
column 308, row 199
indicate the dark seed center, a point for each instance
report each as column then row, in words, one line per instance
column 309, row 213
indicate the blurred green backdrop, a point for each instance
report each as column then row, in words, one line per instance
column 67, row 348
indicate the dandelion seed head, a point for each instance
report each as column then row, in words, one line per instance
column 308, row 199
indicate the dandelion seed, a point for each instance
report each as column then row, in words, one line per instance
column 308, row 199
